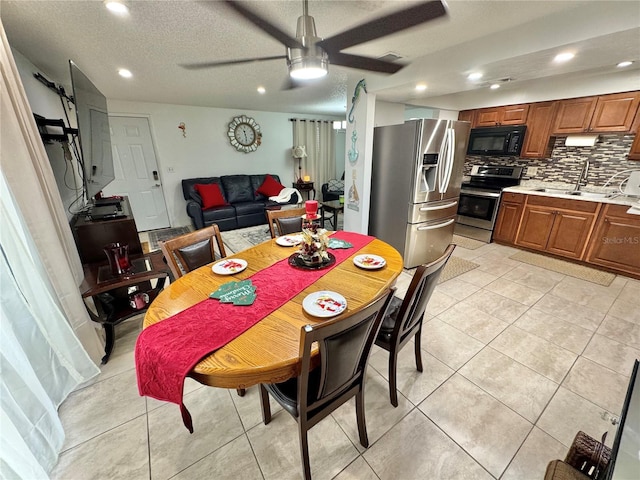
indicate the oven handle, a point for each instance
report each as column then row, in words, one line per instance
column 476, row 193
column 439, row 225
column 438, row 207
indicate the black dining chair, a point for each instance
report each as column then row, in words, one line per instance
column 403, row 319
column 344, row 345
column 193, row 250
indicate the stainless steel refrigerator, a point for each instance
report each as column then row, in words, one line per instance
column 415, row 186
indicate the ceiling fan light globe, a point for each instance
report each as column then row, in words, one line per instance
column 307, row 73
column 307, row 64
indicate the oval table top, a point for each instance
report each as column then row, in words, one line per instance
column 268, row 352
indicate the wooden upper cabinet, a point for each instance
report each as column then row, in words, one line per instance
column 574, row 115
column 538, row 142
column 615, row 113
column 514, row 115
column 467, row 116
column 606, row 113
column 507, row 115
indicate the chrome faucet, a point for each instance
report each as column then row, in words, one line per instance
column 584, row 173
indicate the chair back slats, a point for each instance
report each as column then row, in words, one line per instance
column 344, row 344
column 193, row 250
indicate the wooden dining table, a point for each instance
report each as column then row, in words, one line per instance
column 268, row 352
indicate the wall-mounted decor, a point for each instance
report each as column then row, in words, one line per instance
column 183, row 127
column 353, row 200
column 244, row 134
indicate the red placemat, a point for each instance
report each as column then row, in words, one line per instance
column 168, row 350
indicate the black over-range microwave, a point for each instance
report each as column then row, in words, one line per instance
column 496, row 140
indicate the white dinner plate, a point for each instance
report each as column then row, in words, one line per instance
column 369, row 262
column 289, row 240
column 324, row 304
column 229, row 266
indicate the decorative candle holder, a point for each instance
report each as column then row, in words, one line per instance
column 118, row 255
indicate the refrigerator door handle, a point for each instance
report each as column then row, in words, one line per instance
column 442, row 158
column 438, row 207
column 450, row 139
column 438, row 225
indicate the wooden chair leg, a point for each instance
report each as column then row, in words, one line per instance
column 304, row 452
column 264, row 403
column 362, row 424
column 241, row 392
column 393, row 388
column 418, row 350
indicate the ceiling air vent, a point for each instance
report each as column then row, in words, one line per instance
column 390, row 57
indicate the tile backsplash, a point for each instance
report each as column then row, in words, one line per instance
column 607, row 157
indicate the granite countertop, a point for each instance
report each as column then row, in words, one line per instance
column 561, row 190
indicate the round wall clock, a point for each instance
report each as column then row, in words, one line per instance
column 244, row 134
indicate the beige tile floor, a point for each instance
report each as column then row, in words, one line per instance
column 517, row 359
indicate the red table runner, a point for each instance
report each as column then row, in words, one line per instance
column 168, row 350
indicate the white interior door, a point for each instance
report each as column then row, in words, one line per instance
column 136, row 172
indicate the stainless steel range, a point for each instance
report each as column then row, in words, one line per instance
column 480, row 199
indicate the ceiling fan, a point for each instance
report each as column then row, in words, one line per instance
column 308, row 56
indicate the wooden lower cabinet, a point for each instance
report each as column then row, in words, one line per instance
column 599, row 234
column 569, row 234
column 615, row 242
column 557, row 226
column 509, row 215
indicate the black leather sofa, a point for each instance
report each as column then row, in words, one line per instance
column 246, row 207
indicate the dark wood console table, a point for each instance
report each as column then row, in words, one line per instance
column 110, row 293
column 306, row 187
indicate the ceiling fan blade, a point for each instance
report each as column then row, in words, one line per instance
column 264, row 25
column 224, row 63
column 384, row 26
column 363, row 63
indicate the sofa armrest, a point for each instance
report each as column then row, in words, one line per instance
column 194, row 210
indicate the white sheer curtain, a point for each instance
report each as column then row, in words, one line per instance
column 319, row 138
column 48, row 345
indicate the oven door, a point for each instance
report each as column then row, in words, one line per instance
column 478, row 208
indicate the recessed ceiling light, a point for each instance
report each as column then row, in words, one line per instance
column 475, row 76
column 624, row 64
column 261, row 90
column 421, row 87
column 116, row 6
column 563, row 57
column 123, row 72
column 494, row 86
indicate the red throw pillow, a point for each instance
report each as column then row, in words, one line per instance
column 211, row 195
column 270, row 187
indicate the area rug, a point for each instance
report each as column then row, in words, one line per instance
column 567, row 268
column 156, row 236
column 454, row 267
column 237, row 240
column 468, row 243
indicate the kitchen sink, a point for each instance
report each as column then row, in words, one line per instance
column 552, row 190
column 591, row 194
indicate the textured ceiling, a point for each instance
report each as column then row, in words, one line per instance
column 504, row 39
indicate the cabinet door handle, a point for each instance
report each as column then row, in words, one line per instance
column 606, row 220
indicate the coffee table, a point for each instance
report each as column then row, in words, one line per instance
column 332, row 207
